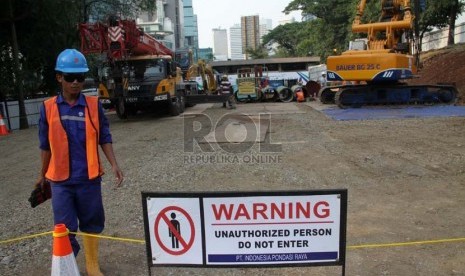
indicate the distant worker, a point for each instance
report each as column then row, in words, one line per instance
column 226, row 88
column 322, row 79
column 71, row 127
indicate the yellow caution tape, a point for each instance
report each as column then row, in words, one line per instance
column 59, row 235
column 348, row 247
column 404, row 243
column 109, row 237
column 26, row 237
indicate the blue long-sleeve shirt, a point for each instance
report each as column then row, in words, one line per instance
column 73, row 120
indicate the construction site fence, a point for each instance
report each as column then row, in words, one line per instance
column 438, row 39
column 10, row 112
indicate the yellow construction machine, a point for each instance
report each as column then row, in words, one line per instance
column 205, row 72
column 373, row 68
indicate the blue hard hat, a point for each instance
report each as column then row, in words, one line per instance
column 71, row 61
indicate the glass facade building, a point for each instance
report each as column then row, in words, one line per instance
column 191, row 32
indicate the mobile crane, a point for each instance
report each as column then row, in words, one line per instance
column 138, row 72
column 375, row 66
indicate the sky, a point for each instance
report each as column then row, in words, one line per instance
column 225, row 13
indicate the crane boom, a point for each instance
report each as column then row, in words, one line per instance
column 119, row 39
column 138, row 73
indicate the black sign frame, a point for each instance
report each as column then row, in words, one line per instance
column 343, row 193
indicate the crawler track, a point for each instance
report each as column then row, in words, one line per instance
column 388, row 94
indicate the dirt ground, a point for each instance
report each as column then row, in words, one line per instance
column 405, row 180
column 444, row 66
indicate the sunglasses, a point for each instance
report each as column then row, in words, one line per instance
column 71, row 77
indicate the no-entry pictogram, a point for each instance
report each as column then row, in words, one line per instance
column 168, row 222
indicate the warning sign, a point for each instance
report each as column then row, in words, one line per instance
column 246, row 229
column 174, row 227
column 272, row 229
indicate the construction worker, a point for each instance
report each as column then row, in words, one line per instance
column 71, row 126
column 226, row 88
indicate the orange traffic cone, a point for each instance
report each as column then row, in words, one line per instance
column 63, row 262
column 3, row 129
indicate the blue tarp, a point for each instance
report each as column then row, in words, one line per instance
column 395, row 112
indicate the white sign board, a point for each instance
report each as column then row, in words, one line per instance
column 272, row 229
column 246, row 229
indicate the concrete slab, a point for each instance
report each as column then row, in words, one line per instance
column 239, row 129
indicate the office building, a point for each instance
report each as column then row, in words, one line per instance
column 174, row 9
column 191, row 31
column 266, row 25
column 235, row 42
column 158, row 25
column 220, row 44
column 250, row 26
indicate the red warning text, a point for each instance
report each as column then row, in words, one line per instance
column 271, row 211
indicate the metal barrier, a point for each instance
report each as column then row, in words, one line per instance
column 10, row 112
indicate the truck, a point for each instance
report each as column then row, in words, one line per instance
column 138, row 73
column 315, row 71
column 374, row 69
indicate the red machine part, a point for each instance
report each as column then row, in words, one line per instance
column 120, row 40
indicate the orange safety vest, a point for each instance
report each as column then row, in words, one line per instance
column 59, row 166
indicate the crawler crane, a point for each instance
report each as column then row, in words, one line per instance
column 373, row 69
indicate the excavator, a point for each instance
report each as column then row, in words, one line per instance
column 202, row 73
column 206, row 74
column 373, row 70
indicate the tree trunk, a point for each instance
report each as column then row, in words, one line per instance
column 452, row 15
column 18, row 80
column 417, row 38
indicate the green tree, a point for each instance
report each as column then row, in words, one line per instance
column 257, row 53
column 12, row 52
column 452, row 9
column 438, row 14
column 457, row 8
column 33, row 32
column 287, row 36
column 331, row 31
column 6, row 80
column 331, row 28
